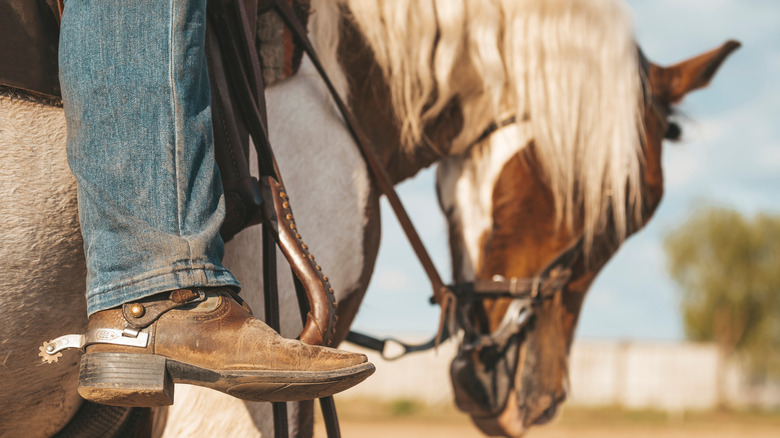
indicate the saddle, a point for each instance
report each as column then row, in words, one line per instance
column 29, row 36
column 29, row 39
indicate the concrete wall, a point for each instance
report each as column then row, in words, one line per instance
column 645, row 375
column 420, row 376
column 636, row 375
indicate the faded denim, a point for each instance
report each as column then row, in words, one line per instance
column 137, row 104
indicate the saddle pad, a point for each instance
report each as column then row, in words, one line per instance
column 29, row 38
column 280, row 52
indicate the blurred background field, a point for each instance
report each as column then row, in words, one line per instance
column 617, row 389
column 672, row 377
column 409, row 419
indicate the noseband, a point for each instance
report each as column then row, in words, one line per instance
column 527, row 294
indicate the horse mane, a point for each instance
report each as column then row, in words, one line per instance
column 571, row 66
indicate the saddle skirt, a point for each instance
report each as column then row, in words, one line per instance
column 29, row 36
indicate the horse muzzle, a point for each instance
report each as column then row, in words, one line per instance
column 490, row 383
column 483, row 376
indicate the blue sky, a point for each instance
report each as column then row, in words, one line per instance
column 729, row 156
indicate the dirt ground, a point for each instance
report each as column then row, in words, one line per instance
column 405, row 420
column 406, row 429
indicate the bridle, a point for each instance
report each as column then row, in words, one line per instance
column 491, row 129
column 527, row 295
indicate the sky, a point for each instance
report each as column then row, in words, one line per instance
column 729, row 156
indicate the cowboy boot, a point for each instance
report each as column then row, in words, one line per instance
column 135, row 353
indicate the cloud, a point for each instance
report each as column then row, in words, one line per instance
column 392, row 280
column 744, row 157
column 731, row 152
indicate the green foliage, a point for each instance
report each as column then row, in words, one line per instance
column 728, row 268
column 404, row 407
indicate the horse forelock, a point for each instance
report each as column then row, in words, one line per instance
column 569, row 65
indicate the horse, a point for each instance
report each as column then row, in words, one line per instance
column 512, row 207
column 435, row 92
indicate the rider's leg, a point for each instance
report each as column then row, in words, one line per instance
column 136, row 97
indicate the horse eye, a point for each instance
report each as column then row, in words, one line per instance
column 673, row 132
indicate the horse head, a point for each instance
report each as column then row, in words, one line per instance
column 509, row 381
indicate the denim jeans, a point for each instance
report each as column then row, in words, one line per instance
column 137, row 105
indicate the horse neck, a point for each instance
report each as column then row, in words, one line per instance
column 369, row 99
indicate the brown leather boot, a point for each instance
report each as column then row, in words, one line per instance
column 134, row 354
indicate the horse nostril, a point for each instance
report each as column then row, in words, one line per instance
column 561, row 398
column 548, row 414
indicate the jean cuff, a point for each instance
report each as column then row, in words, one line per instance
column 179, row 277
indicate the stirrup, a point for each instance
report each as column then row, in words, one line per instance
column 320, row 324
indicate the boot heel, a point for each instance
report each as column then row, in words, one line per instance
column 125, row 379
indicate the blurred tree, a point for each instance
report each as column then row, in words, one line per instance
column 728, row 267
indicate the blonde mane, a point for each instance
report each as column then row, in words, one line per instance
column 569, row 65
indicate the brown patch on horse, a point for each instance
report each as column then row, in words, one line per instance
column 525, row 237
column 370, row 101
column 522, row 199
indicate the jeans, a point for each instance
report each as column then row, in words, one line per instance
column 136, row 96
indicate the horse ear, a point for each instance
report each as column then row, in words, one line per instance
column 671, row 84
